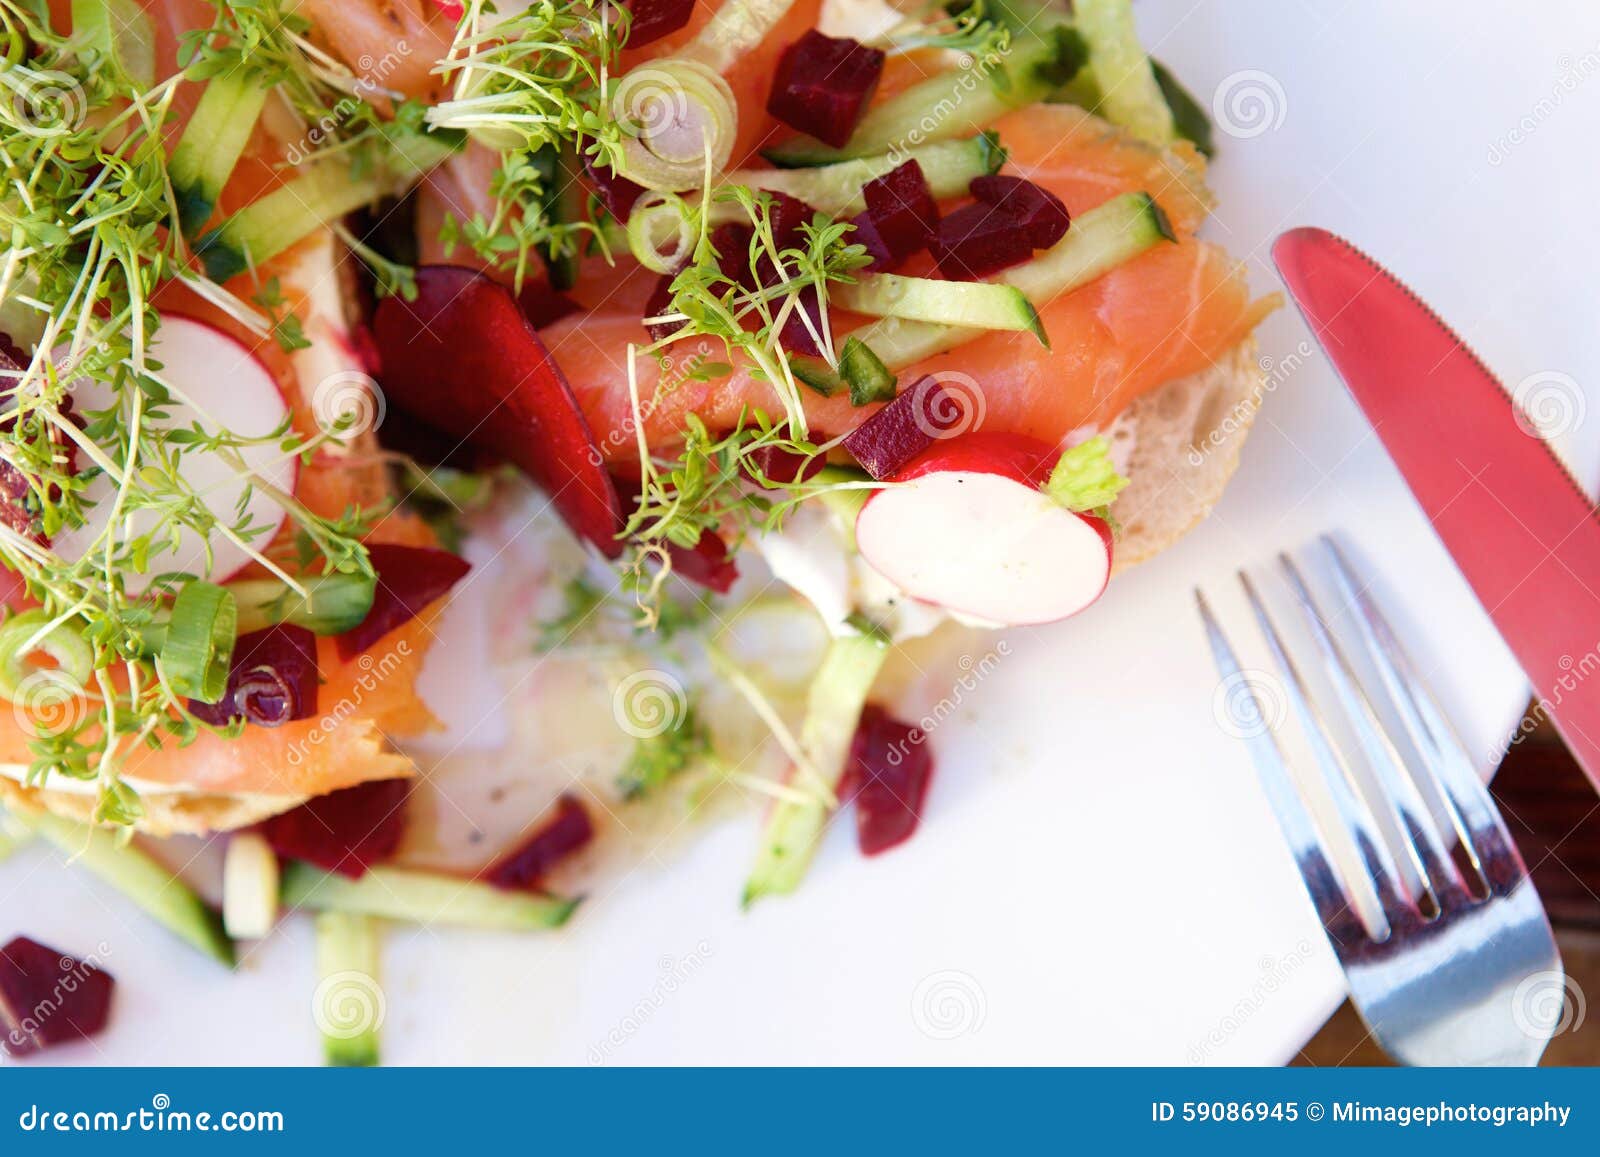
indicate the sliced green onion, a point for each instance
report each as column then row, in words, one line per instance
column 28, row 634
column 677, row 114
column 199, row 647
column 657, row 219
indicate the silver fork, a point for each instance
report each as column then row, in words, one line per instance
column 1458, row 974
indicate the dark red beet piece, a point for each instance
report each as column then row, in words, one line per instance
column 410, row 579
column 616, row 193
column 732, row 243
column 542, row 305
column 556, row 838
column 1042, row 215
column 463, row 357
column 901, row 215
column 653, row 19
column 49, row 998
column 658, row 303
column 273, row 680
column 824, row 84
column 795, row 336
column 890, row 767
column 977, row 240
column 904, row 428
column 708, row 563
column 345, row 831
column 778, row 465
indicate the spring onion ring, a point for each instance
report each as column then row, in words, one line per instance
column 676, row 113
column 199, row 648
column 20, row 639
column 658, row 219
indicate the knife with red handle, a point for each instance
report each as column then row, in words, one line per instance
column 1521, row 530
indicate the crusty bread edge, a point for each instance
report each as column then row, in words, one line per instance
column 1180, row 446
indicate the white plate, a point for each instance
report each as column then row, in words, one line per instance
column 1097, row 879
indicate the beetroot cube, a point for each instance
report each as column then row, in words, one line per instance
column 616, row 193
column 708, row 562
column 901, row 216
column 796, row 336
column 658, row 303
column 824, row 84
column 345, row 831
column 887, row 779
column 1042, row 215
column 49, row 998
column 732, row 243
column 903, row 429
column 525, row 866
column 977, row 240
column 653, row 19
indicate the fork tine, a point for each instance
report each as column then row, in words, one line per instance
column 1328, row 893
column 1403, row 799
column 1336, row 773
column 1477, row 821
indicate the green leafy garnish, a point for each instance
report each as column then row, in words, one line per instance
column 659, row 758
column 1085, row 479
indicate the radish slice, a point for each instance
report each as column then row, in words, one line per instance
column 218, row 384
column 968, row 529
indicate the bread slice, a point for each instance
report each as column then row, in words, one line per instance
column 1181, row 445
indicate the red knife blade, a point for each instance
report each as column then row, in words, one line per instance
column 1521, row 530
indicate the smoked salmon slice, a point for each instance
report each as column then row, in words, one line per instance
column 1171, row 312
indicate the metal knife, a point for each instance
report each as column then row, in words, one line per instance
column 1520, row 528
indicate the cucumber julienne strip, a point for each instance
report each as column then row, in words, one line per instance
column 1129, row 93
column 948, row 166
column 1097, row 243
column 972, row 304
column 422, row 897
column 325, row 189
column 833, row 709
column 349, row 1003
column 148, row 884
column 212, row 143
